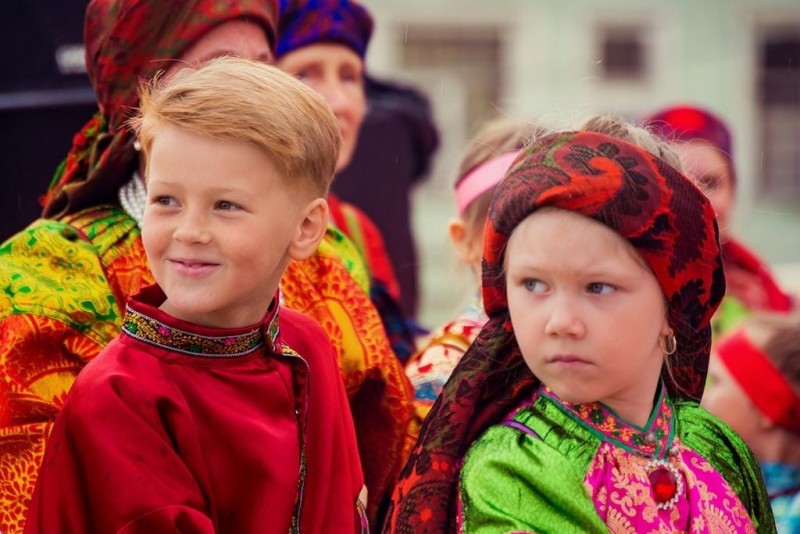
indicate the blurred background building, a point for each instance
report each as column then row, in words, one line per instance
column 552, row 61
column 556, row 61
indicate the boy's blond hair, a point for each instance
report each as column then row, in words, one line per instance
column 242, row 100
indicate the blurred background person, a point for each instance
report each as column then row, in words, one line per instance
column 485, row 162
column 704, row 144
column 323, row 42
column 754, row 386
column 394, row 153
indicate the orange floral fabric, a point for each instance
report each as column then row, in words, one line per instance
column 380, row 394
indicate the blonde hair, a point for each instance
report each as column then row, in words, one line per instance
column 242, row 100
column 637, row 135
column 494, row 139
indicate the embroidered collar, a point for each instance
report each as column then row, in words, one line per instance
column 653, row 440
column 145, row 322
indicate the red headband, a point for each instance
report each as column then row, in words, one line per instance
column 763, row 383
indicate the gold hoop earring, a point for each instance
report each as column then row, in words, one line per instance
column 668, row 343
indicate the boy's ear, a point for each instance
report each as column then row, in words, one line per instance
column 465, row 246
column 311, row 230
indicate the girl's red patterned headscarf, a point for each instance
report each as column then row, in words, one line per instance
column 127, row 41
column 659, row 211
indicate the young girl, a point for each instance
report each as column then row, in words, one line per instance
column 576, row 408
column 754, row 386
column 484, row 164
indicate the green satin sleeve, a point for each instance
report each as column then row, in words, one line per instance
column 724, row 449
column 513, row 482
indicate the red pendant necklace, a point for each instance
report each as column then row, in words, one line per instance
column 665, row 480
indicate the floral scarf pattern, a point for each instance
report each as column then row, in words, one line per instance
column 128, row 41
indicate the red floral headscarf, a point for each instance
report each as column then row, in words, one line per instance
column 127, row 41
column 659, row 211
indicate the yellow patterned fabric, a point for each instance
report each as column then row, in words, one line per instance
column 64, row 283
column 380, row 394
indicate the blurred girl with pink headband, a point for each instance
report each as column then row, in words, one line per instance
column 485, row 162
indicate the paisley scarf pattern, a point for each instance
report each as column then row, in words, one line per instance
column 128, row 41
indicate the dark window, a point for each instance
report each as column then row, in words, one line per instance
column 779, row 95
column 623, row 54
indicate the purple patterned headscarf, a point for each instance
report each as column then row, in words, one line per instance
column 307, row 22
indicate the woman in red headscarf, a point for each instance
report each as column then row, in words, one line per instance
column 576, row 408
column 66, row 278
column 705, row 146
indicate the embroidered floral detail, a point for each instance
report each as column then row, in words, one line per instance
column 653, row 440
column 621, row 485
column 154, row 332
column 272, row 332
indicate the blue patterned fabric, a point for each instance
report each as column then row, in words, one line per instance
column 307, row 22
column 783, row 486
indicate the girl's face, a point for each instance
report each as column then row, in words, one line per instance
column 337, row 73
column 586, row 312
column 711, row 171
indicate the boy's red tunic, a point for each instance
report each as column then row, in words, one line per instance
column 181, row 428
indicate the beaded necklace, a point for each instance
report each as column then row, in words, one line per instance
column 133, row 198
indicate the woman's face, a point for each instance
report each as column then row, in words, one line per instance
column 337, row 73
column 239, row 38
column 712, row 172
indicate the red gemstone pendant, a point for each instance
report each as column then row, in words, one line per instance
column 664, row 484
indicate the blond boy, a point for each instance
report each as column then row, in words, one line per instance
column 206, row 413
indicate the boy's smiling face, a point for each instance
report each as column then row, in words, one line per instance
column 219, row 227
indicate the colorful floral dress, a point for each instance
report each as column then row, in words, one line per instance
column 557, row 467
column 431, row 367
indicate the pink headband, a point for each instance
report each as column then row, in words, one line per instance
column 483, row 178
column 767, row 388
